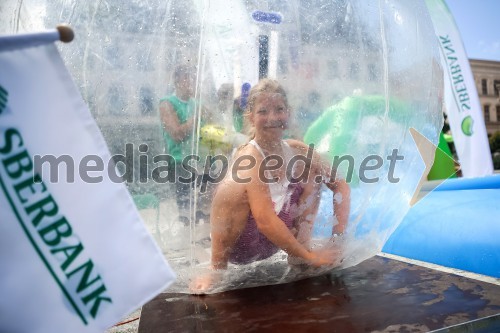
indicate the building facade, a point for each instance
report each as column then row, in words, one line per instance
column 487, row 77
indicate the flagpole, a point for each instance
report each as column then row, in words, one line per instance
column 63, row 33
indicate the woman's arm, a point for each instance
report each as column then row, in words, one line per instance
column 307, row 209
column 341, row 204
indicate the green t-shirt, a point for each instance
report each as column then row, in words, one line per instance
column 238, row 122
column 184, row 110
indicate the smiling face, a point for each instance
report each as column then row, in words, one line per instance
column 269, row 115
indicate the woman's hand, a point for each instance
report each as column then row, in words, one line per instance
column 325, row 256
column 328, row 256
column 205, row 282
column 201, row 284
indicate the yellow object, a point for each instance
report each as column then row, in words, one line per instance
column 214, row 137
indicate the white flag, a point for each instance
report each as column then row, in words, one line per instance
column 461, row 98
column 74, row 254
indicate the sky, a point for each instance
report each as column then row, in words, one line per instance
column 479, row 24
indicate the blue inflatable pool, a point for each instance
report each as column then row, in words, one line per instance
column 456, row 225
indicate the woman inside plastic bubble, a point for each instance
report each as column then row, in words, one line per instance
column 270, row 196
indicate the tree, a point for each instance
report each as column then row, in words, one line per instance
column 495, row 149
column 495, row 142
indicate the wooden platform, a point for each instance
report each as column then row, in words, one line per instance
column 378, row 295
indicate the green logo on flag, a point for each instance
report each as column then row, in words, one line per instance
column 467, row 125
column 3, row 99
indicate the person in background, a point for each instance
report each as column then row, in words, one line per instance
column 177, row 113
column 238, row 115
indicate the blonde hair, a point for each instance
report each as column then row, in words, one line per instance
column 263, row 86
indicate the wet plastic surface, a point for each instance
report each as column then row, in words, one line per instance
column 379, row 294
column 358, row 74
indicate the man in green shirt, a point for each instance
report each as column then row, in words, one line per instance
column 177, row 117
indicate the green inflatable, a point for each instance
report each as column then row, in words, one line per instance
column 444, row 165
column 356, row 126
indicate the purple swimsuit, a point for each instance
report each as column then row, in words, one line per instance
column 252, row 245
